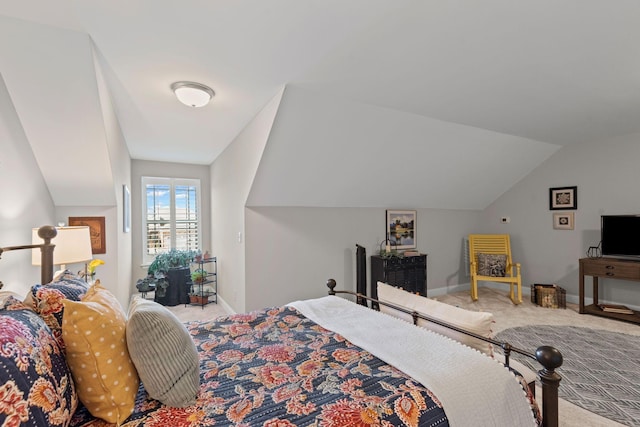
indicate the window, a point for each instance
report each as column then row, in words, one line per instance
column 171, row 217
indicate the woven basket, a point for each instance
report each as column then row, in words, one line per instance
column 548, row 296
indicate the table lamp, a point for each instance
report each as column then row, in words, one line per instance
column 73, row 245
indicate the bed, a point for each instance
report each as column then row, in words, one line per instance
column 308, row 363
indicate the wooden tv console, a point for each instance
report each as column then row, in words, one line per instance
column 610, row 268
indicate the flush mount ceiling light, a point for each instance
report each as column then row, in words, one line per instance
column 192, row 94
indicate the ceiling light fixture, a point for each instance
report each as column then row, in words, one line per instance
column 192, row 94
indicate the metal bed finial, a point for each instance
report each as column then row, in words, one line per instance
column 47, row 233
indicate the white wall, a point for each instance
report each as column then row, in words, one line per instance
column 232, row 175
column 607, row 176
column 120, row 281
column 29, row 204
column 25, row 201
column 116, row 274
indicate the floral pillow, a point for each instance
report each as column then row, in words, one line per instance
column 36, row 387
column 492, row 265
column 47, row 300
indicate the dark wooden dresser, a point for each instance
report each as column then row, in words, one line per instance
column 409, row 273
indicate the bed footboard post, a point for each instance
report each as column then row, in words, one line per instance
column 47, row 232
column 550, row 358
column 331, row 284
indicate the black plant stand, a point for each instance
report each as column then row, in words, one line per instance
column 178, row 289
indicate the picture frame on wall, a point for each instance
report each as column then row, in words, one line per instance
column 563, row 198
column 563, row 221
column 96, row 230
column 126, row 209
column 401, row 228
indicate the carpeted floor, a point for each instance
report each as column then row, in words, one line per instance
column 508, row 315
column 601, row 369
column 188, row 313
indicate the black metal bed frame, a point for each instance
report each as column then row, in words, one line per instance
column 549, row 357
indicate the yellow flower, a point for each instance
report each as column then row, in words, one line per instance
column 93, row 264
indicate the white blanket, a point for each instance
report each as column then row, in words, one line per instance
column 474, row 389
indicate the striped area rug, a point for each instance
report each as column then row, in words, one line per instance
column 601, row 369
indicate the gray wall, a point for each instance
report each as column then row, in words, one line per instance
column 327, row 151
column 291, row 252
column 607, row 176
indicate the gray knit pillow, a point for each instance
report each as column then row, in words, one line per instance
column 164, row 354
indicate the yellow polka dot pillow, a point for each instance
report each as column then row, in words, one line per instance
column 94, row 333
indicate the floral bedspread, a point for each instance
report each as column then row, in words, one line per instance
column 276, row 368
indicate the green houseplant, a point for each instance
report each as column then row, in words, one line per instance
column 162, row 269
column 197, row 294
column 198, row 276
column 175, row 258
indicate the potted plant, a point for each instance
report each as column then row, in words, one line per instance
column 198, row 299
column 199, row 275
column 171, row 273
column 153, row 282
column 175, row 258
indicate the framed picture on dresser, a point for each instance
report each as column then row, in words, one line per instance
column 401, row 228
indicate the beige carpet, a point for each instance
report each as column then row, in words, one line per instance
column 506, row 316
column 189, row 312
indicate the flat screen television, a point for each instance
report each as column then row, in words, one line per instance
column 620, row 235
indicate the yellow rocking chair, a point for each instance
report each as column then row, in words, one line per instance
column 490, row 259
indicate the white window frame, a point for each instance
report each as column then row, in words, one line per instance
column 172, row 183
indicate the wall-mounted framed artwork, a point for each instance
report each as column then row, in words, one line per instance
column 563, row 198
column 96, row 230
column 126, row 209
column 401, row 228
column 563, row 220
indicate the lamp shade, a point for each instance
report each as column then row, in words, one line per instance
column 73, row 244
column 192, row 94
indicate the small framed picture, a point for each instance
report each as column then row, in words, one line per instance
column 563, row 221
column 126, row 209
column 563, row 198
column 401, row 229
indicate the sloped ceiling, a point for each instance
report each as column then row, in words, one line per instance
column 521, row 78
column 50, row 77
column 326, row 152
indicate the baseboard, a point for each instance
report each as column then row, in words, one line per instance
column 526, row 291
column 226, row 306
column 435, row 292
